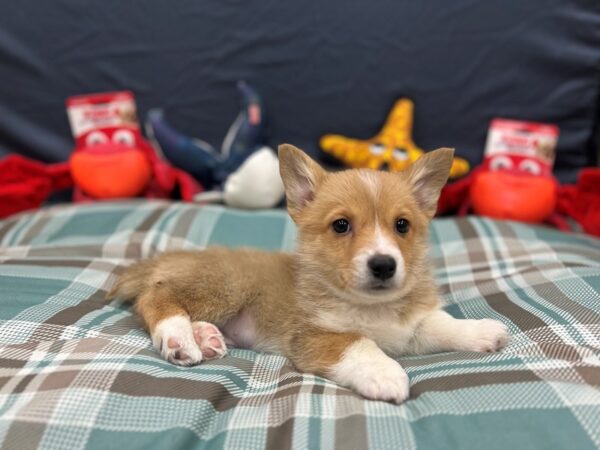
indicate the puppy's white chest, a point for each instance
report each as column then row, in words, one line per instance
column 390, row 334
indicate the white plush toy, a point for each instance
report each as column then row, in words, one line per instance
column 243, row 173
column 255, row 184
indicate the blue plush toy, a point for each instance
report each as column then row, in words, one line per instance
column 244, row 173
column 202, row 160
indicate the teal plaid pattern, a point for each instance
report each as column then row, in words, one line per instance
column 77, row 371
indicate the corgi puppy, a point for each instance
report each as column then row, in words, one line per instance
column 357, row 292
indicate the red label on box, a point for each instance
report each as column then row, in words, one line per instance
column 100, row 112
column 530, row 139
column 521, row 147
column 103, row 118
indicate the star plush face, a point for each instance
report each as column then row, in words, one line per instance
column 393, row 147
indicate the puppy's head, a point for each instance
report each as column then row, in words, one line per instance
column 363, row 233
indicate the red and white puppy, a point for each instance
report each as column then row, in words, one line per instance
column 357, row 291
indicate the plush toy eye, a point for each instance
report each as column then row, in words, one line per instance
column 400, row 154
column 530, row 166
column 501, row 163
column 402, row 226
column 95, row 138
column 377, row 149
column 124, row 137
column 340, row 226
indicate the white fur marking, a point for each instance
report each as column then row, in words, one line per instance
column 365, row 369
column 382, row 245
column 377, row 322
column 359, row 297
column 485, row 335
column 180, row 328
column 371, row 180
column 439, row 331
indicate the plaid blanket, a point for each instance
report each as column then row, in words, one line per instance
column 77, row 371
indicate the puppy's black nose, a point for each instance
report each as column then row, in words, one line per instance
column 382, row 266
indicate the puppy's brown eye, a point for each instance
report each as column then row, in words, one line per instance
column 402, row 226
column 341, row 226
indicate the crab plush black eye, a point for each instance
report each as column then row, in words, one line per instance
column 402, row 226
column 340, row 226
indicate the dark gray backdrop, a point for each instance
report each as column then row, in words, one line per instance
column 322, row 66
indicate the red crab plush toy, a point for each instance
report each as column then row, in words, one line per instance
column 515, row 180
column 111, row 158
column 514, row 187
column 111, row 164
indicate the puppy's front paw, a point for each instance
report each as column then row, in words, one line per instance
column 388, row 382
column 368, row 371
column 174, row 339
column 484, row 335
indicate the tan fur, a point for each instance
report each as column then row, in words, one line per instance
column 307, row 305
column 212, row 285
column 316, row 350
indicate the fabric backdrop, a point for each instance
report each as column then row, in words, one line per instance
column 322, row 66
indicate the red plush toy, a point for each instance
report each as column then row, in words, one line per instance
column 26, row 184
column 110, row 170
column 111, row 159
column 515, row 180
column 581, row 201
column 514, row 187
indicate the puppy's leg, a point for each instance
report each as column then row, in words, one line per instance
column 440, row 332
column 352, row 361
column 173, row 334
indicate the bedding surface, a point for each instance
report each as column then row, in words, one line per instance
column 77, row 371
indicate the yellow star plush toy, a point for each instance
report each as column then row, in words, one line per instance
column 393, row 146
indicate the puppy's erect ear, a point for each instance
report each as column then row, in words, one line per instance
column 301, row 177
column 427, row 177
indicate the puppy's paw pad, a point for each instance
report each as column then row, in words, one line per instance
column 487, row 335
column 174, row 340
column 179, row 351
column 210, row 340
